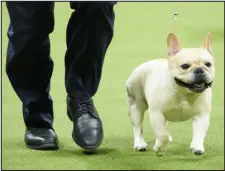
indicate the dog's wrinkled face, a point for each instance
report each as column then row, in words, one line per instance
column 192, row 68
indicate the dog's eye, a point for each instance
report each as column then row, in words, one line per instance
column 208, row 64
column 185, row 66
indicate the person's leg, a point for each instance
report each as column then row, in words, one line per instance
column 89, row 33
column 29, row 65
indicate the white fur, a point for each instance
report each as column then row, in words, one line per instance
column 152, row 87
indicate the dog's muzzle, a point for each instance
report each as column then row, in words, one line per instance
column 196, row 87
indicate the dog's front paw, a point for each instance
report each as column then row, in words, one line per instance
column 197, row 149
column 140, row 145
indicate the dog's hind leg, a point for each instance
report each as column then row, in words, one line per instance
column 170, row 137
column 136, row 114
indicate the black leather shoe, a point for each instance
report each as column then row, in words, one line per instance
column 41, row 139
column 87, row 126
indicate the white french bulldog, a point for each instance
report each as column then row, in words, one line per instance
column 173, row 89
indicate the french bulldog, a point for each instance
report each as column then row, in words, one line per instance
column 173, row 89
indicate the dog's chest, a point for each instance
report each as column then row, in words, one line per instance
column 179, row 110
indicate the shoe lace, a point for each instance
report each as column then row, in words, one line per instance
column 85, row 107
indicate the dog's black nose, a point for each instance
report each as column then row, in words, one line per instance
column 198, row 71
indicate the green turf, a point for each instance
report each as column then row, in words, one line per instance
column 140, row 35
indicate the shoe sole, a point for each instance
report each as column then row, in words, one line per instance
column 43, row 147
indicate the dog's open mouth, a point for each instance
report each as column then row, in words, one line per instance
column 196, row 87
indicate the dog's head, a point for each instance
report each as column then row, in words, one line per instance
column 191, row 68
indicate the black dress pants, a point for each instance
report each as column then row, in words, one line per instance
column 29, row 65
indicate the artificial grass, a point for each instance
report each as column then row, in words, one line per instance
column 141, row 29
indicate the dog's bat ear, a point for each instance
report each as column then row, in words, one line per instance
column 173, row 44
column 208, row 43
